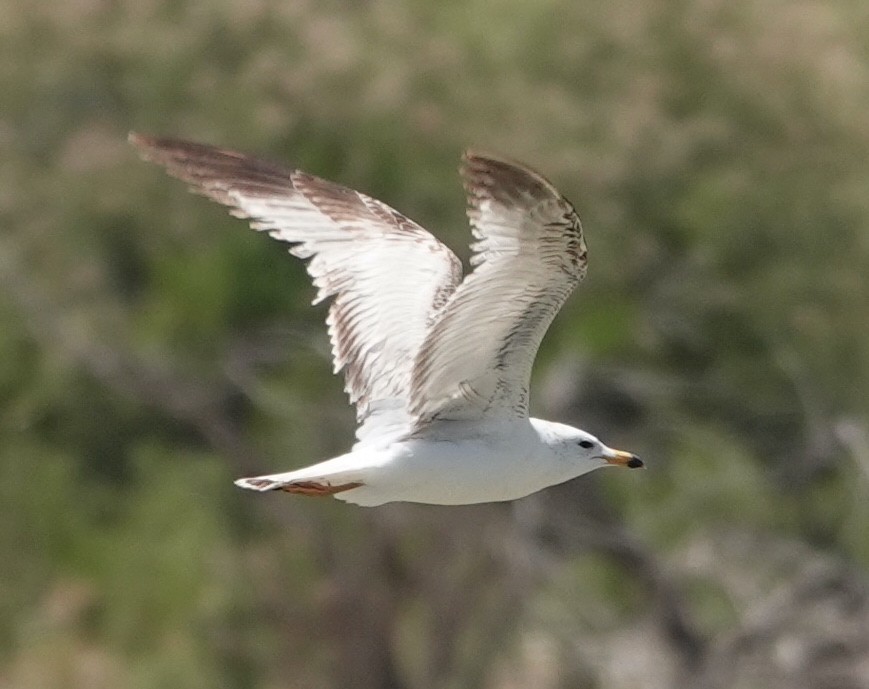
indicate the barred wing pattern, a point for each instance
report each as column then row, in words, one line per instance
column 529, row 254
column 388, row 277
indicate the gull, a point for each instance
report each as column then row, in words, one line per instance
column 437, row 365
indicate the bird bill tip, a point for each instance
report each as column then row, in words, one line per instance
column 624, row 459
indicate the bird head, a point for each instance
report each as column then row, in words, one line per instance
column 584, row 450
column 591, row 449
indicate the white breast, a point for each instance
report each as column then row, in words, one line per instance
column 485, row 465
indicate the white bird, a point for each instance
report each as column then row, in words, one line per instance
column 438, row 366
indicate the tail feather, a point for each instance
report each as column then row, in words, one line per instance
column 260, row 483
column 313, row 488
column 326, row 478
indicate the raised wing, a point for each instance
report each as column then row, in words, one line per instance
column 529, row 254
column 388, row 276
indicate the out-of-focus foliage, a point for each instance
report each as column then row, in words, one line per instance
column 151, row 348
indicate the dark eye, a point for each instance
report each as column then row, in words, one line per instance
column 587, row 444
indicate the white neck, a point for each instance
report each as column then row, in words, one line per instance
column 551, row 433
column 563, row 455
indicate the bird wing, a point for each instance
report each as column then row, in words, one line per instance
column 388, row 277
column 529, row 254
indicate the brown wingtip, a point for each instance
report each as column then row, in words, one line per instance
column 476, row 162
column 470, row 155
column 148, row 146
column 166, row 150
column 141, row 141
column 488, row 174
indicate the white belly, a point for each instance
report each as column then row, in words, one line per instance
column 458, row 472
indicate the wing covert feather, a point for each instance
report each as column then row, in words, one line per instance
column 529, row 254
column 386, row 275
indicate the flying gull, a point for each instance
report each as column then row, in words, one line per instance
column 437, row 364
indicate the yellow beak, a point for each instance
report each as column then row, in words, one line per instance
column 623, row 459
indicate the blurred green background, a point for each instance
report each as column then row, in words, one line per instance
column 152, row 348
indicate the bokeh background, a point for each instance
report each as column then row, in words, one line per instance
column 152, row 348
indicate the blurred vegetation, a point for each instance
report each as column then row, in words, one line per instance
column 152, row 349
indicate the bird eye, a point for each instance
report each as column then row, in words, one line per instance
column 587, row 444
